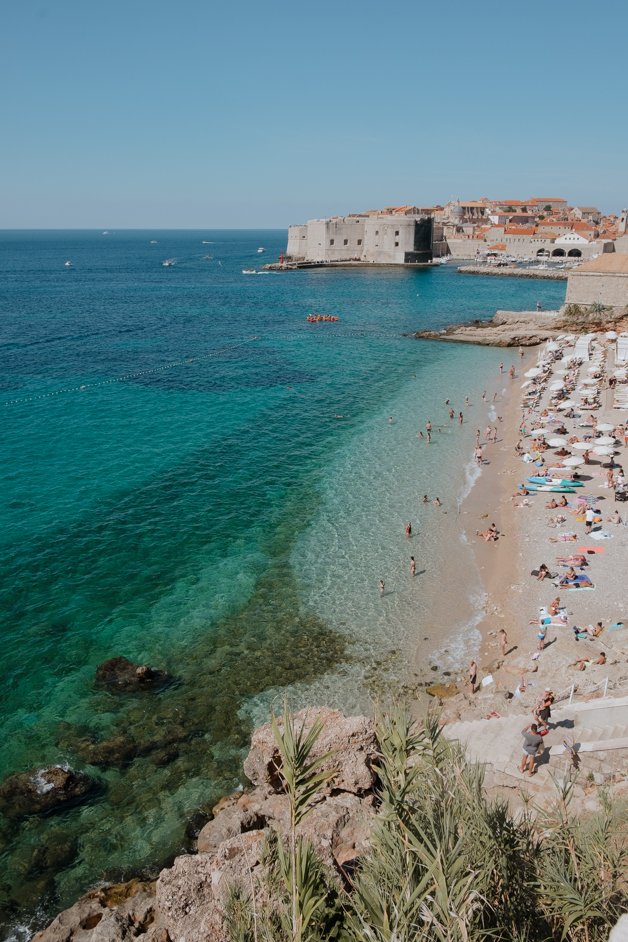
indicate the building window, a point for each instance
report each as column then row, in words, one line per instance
column 396, row 245
column 377, row 232
column 331, row 241
column 396, row 232
column 346, row 242
column 359, row 241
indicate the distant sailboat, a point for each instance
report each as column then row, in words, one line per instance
column 168, row 262
column 261, row 249
column 154, row 242
column 68, row 264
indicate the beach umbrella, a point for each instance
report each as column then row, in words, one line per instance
column 554, row 387
column 593, row 369
column 590, row 381
column 557, row 442
column 610, row 335
column 573, row 461
column 534, row 371
column 567, row 404
column 605, row 440
column 604, row 427
column 580, row 446
column 604, row 450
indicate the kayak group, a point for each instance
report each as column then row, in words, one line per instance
column 319, row 318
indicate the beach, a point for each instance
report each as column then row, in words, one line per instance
column 515, row 598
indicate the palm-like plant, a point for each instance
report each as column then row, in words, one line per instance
column 303, row 776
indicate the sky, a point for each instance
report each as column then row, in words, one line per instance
column 190, row 114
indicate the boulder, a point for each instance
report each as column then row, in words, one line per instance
column 442, row 691
column 113, row 913
column 124, row 676
column 351, row 740
column 41, row 791
column 191, row 894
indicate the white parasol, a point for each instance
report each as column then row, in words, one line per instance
column 610, row 335
column 557, row 442
column 604, row 427
column 580, row 446
column 605, row 440
column 605, row 450
column 533, row 371
column 573, row 461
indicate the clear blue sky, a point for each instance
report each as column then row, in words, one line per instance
column 145, row 113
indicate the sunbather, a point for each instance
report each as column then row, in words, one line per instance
column 583, row 662
column 564, row 538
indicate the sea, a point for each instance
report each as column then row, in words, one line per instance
column 196, row 478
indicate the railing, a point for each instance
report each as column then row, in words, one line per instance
column 568, row 693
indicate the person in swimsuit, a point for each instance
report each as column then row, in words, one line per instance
column 408, row 529
column 412, row 566
column 473, row 676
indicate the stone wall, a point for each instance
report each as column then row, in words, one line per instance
column 597, row 288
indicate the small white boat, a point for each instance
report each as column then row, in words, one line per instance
column 153, row 242
column 261, row 249
column 249, row 271
column 106, row 232
column 206, row 242
column 68, row 264
column 168, row 262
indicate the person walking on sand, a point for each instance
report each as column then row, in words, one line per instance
column 588, row 518
column 412, row 567
column 503, row 641
column 541, row 634
column 532, row 743
column 473, row 676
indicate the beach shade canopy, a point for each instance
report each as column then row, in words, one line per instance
column 573, row 461
column 604, row 427
column 610, row 335
column 533, row 371
column 620, row 373
column 604, row 451
column 567, row 404
column 605, row 440
column 590, row 381
column 556, row 385
column 557, row 442
column 580, row 446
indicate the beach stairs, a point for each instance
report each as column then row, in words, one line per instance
column 598, row 729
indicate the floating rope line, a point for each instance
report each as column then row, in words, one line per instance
column 129, row 376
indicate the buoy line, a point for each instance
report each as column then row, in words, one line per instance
column 128, row 376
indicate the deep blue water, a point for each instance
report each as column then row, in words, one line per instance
column 168, row 438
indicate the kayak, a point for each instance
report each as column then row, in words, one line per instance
column 555, row 488
column 556, row 482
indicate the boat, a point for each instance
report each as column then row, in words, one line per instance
column 261, row 249
column 168, row 262
column 322, row 318
column 153, row 242
column 249, row 271
column 556, row 482
column 206, row 242
column 553, row 488
column 208, row 258
column 68, row 264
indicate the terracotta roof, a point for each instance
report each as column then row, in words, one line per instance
column 520, row 230
column 588, row 209
column 501, row 247
column 610, row 263
column 547, row 199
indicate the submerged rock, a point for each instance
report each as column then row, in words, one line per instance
column 118, row 673
column 442, row 691
column 40, row 791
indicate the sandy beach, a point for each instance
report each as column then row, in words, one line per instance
column 514, row 596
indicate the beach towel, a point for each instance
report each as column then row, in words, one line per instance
column 616, row 626
column 591, row 549
column 601, row 535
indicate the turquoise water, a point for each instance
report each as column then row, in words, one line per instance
column 198, row 479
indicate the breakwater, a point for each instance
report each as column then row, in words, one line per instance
column 513, row 272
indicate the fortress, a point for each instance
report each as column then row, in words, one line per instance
column 379, row 239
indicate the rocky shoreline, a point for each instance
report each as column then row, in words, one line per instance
column 187, row 901
column 505, row 329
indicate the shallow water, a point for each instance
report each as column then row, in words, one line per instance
column 178, row 487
